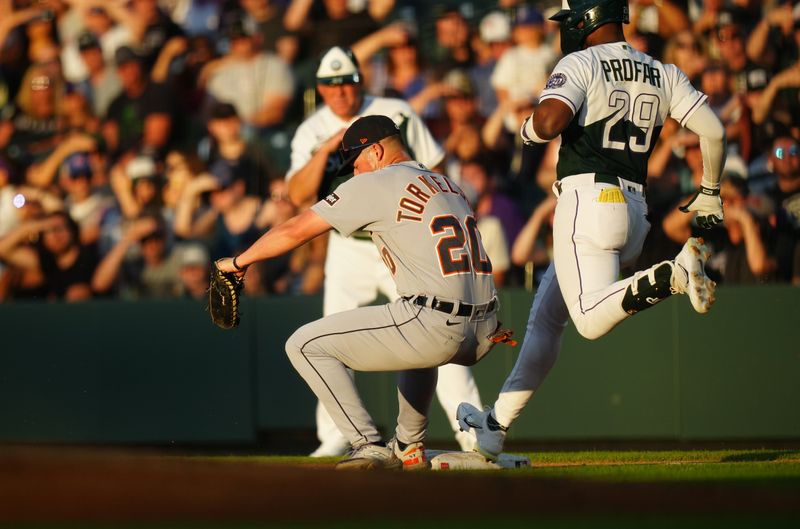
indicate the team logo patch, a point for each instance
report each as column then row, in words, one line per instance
column 556, row 80
column 362, row 140
column 332, row 199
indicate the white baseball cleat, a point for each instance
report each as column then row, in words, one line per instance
column 370, row 457
column 692, row 260
column 489, row 439
column 411, row 457
column 335, row 448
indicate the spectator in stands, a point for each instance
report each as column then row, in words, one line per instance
column 474, row 183
column 140, row 118
column 459, row 128
column 259, row 84
column 84, row 204
column 63, row 264
column 490, row 201
column 656, row 20
column 137, row 187
column 149, row 26
column 227, row 143
column 775, row 40
column 30, row 130
column 179, row 170
column 332, row 22
column 452, row 48
column 154, row 273
column 780, row 188
column 110, row 34
column 230, row 218
column 522, row 71
column 533, row 248
column 194, row 271
column 101, row 84
column 264, row 20
column 495, row 40
column 9, row 203
column 684, row 50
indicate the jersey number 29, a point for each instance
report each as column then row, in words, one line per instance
column 644, row 115
column 457, row 255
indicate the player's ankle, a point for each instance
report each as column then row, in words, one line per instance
column 680, row 278
column 493, row 424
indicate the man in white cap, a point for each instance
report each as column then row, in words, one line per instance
column 354, row 272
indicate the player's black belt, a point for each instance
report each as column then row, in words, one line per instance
column 606, row 178
column 449, row 307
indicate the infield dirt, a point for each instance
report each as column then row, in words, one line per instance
column 56, row 484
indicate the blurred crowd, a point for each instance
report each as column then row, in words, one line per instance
column 142, row 139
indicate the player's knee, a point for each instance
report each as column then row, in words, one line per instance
column 294, row 346
column 588, row 329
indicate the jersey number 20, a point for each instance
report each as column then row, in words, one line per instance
column 457, row 255
column 644, row 115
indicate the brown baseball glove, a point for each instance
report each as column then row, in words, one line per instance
column 223, row 298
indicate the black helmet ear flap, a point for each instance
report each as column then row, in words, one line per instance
column 585, row 16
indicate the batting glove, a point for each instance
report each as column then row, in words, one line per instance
column 708, row 205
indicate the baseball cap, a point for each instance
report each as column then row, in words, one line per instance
column 528, row 16
column 125, row 54
column 756, row 78
column 87, row 41
column 236, row 30
column 495, row 27
column 338, row 66
column 194, row 255
column 459, row 81
column 226, row 173
column 223, row 111
column 78, row 165
column 141, row 167
column 365, row 131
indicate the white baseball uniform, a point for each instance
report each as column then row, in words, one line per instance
column 620, row 99
column 427, row 237
column 354, row 271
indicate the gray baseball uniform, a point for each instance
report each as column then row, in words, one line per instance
column 428, row 238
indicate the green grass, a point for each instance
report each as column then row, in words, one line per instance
column 767, row 467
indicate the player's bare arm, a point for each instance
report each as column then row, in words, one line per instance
column 549, row 119
column 293, row 233
column 304, row 184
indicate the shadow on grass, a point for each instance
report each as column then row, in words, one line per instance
column 760, row 456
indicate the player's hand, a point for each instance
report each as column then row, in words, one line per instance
column 708, row 205
column 226, row 265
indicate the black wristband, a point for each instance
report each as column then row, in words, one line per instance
column 236, row 266
column 709, row 191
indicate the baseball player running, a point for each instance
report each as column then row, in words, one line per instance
column 608, row 102
column 427, row 236
column 354, row 272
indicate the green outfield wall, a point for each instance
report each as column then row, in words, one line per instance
column 161, row 373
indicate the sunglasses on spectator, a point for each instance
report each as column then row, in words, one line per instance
column 781, row 152
column 279, row 196
column 687, row 46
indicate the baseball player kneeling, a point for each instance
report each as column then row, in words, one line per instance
column 427, row 236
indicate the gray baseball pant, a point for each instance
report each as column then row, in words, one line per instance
column 399, row 336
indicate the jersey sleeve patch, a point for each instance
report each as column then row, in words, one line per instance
column 332, row 199
column 557, row 80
